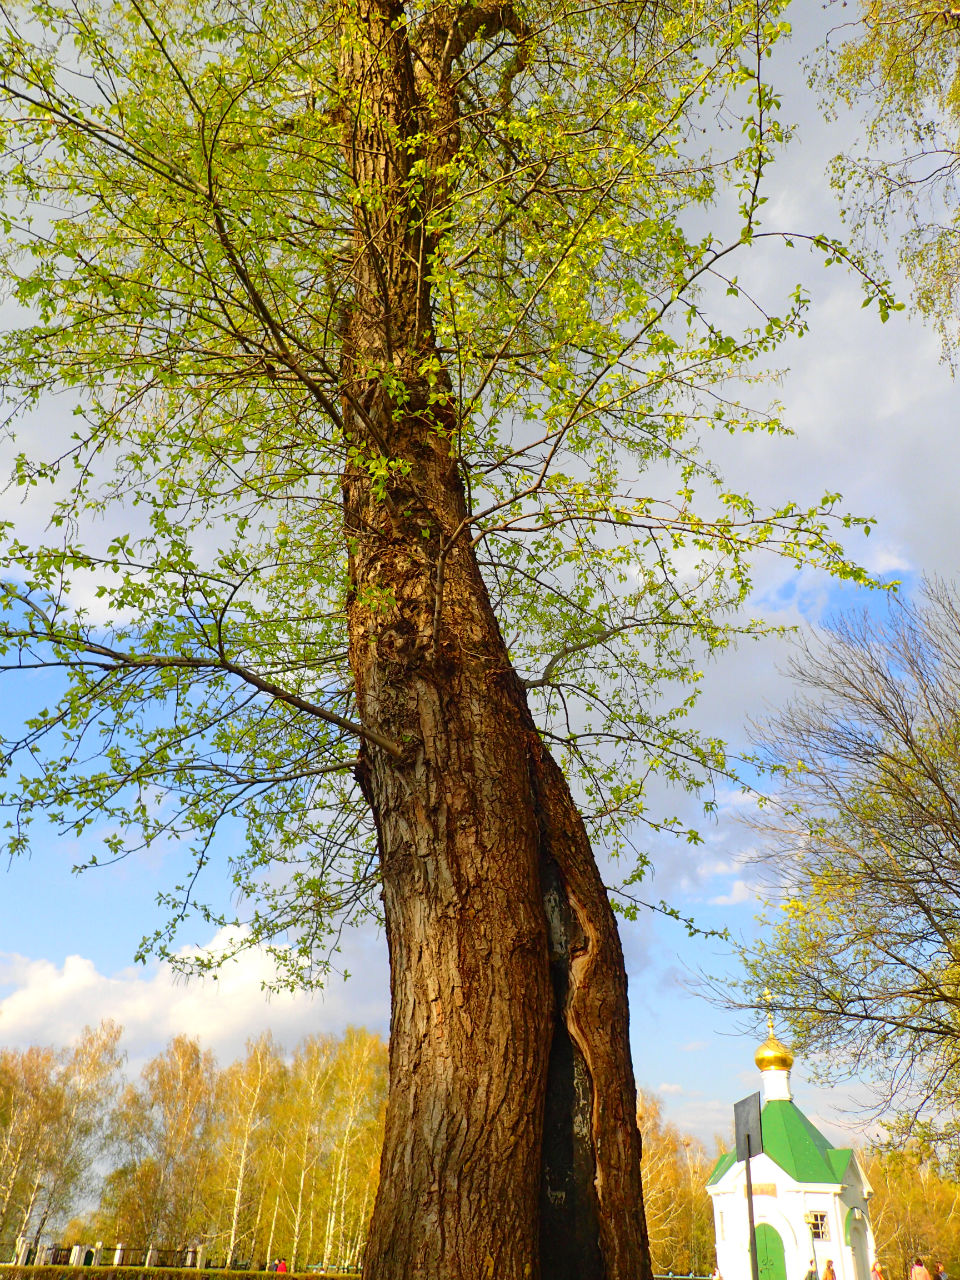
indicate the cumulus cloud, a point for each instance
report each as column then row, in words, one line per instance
column 885, row 558
column 46, row 1003
column 739, row 892
column 669, row 1088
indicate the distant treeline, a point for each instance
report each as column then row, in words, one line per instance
column 278, row 1154
column 678, row 1209
column 275, row 1154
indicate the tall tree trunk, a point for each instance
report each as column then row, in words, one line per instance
column 255, row 1234
column 11, row 1167
column 237, row 1199
column 251, row 1121
column 276, row 1205
column 511, row 1147
column 27, row 1211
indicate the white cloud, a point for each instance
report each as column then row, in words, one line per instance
column 669, row 1088
column 740, row 892
column 50, row 1004
column 884, row 558
column 724, row 866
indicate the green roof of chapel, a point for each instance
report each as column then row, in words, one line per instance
column 796, row 1145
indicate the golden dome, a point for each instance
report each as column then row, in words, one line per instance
column 773, row 1055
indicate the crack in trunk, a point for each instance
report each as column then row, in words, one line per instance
column 569, row 1219
column 591, row 1141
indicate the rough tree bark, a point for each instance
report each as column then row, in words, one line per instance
column 511, row 1146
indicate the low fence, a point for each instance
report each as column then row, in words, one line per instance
column 23, row 1253
column 91, row 1261
column 54, row 1271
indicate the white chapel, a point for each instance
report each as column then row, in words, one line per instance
column 810, row 1199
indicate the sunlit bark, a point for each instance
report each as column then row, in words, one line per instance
column 510, row 1143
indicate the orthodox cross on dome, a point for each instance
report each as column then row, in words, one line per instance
column 774, row 1060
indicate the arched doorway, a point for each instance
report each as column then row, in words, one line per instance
column 856, row 1236
column 771, row 1261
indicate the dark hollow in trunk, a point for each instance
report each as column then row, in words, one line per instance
column 569, row 1213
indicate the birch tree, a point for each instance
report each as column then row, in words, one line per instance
column 54, row 1114
column 165, row 1129
column 75, row 1138
column 248, row 1090
column 358, row 1117
column 915, row 1210
column 31, row 1100
column 679, row 1211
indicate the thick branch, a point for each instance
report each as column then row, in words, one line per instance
column 160, row 661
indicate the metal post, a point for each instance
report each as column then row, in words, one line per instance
column 754, row 1263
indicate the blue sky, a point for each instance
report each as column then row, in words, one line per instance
column 875, row 415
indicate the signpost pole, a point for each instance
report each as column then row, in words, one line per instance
column 754, row 1261
column 749, row 1133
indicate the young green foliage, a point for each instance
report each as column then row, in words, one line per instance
column 898, row 66
column 180, row 256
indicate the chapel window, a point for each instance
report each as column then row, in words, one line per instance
column 818, row 1226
